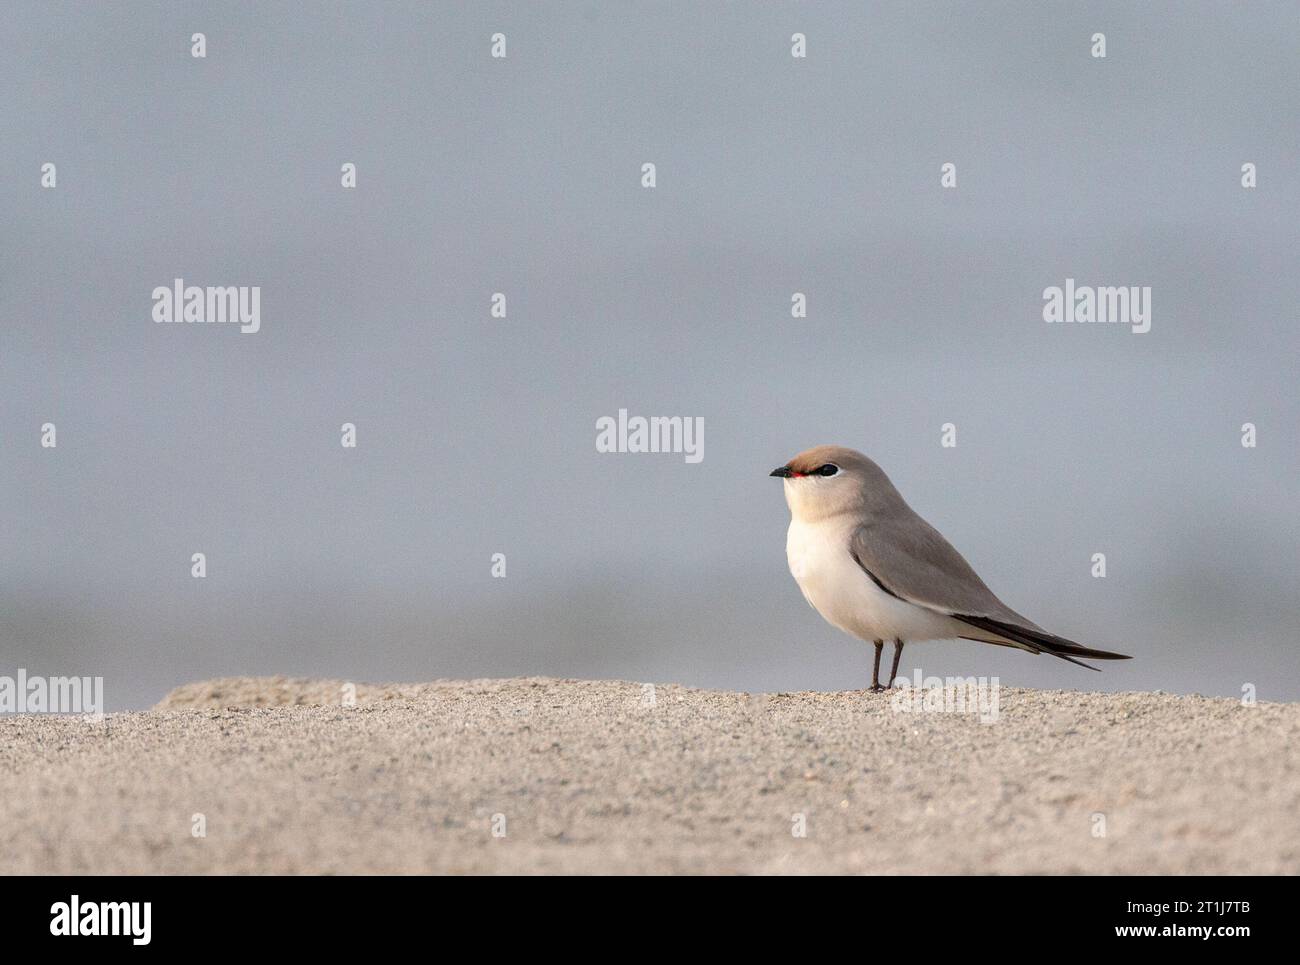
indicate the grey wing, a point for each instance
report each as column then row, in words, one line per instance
column 909, row 558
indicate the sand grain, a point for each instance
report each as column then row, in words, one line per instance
column 590, row 779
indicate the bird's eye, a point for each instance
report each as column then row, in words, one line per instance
column 829, row 469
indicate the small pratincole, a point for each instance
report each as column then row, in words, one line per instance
column 875, row 569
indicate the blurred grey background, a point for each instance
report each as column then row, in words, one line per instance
column 476, row 435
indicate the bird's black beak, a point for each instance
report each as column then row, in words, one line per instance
column 784, row 472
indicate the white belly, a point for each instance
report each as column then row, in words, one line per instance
column 842, row 592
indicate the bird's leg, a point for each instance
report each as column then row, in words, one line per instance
column 875, row 668
column 898, row 652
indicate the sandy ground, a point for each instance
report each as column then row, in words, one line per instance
column 588, row 776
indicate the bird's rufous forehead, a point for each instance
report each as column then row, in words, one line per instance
column 812, row 459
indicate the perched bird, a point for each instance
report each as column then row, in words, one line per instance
column 874, row 568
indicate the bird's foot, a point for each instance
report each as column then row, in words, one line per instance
column 877, row 689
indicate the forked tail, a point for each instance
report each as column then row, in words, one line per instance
column 1040, row 641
